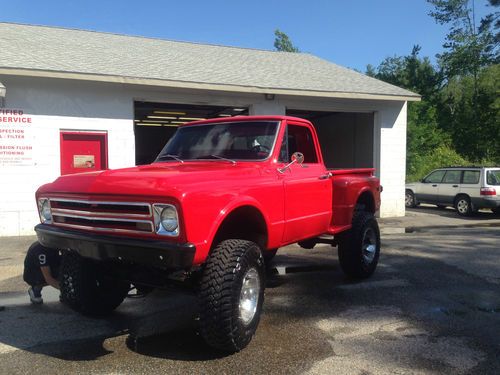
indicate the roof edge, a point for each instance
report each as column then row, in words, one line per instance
column 201, row 85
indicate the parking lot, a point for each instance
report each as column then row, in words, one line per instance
column 433, row 306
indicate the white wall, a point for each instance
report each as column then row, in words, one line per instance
column 57, row 104
column 391, row 123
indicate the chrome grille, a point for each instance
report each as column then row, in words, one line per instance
column 102, row 216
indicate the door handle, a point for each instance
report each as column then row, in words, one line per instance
column 434, row 185
column 325, row 176
column 455, row 185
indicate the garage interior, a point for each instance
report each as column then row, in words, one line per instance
column 155, row 123
column 346, row 138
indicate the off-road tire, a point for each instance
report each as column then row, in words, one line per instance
column 463, row 205
column 410, row 199
column 352, row 246
column 87, row 290
column 221, row 325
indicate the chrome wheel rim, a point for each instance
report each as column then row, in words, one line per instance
column 249, row 296
column 369, row 245
column 408, row 199
column 462, row 206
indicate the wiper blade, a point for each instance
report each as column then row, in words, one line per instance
column 163, row 157
column 223, row 158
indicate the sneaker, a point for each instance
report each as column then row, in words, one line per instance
column 35, row 295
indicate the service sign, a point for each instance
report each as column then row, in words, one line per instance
column 16, row 140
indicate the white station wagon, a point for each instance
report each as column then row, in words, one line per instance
column 466, row 188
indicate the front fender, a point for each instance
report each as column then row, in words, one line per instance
column 230, row 207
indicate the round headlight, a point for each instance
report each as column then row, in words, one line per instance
column 168, row 219
column 45, row 211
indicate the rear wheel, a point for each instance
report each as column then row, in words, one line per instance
column 463, row 205
column 85, row 289
column 410, row 199
column 359, row 248
column 231, row 295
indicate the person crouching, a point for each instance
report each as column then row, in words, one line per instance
column 41, row 268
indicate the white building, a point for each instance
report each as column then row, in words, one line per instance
column 72, row 99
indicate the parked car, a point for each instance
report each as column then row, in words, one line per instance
column 220, row 199
column 466, row 188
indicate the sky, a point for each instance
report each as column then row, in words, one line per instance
column 352, row 33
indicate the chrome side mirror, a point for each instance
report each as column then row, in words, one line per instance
column 297, row 157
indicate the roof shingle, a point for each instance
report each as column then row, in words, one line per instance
column 53, row 49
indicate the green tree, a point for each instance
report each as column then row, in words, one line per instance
column 468, row 46
column 468, row 103
column 424, row 136
column 458, row 119
column 469, row 111
column 283, row 43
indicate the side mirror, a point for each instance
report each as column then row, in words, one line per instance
column 297, row 157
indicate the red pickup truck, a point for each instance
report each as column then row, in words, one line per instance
column 220, row 199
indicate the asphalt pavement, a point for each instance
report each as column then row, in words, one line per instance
column 432, row 306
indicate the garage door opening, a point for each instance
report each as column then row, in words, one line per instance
column 346, row 138
column 156, row 123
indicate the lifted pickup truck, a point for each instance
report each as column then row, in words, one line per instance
column 220, row 199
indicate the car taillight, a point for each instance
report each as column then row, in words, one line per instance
column 488, row 191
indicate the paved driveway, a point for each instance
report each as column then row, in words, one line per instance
column 433, row 306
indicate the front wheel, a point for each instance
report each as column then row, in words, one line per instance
column 359, row 248
column 87, row 290
column 231, row 295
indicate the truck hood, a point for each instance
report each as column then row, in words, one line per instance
column 159, row 179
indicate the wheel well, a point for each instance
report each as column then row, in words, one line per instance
column 246, row 223
column 458, row 196
column 366, row 202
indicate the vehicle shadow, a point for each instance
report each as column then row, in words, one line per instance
column 481, row 215
column 159, row 323
column 429, row 297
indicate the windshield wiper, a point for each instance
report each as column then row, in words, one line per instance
column 216, row 157
column 163, row 157
column 223, row 158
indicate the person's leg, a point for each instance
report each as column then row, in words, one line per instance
column 35, row 293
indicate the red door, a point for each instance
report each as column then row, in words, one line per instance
column 308, row 190
column 83, row 152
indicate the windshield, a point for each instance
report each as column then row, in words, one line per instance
column 244, row 140
column 493, row 177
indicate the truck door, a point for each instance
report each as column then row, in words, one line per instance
column 308, row 189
